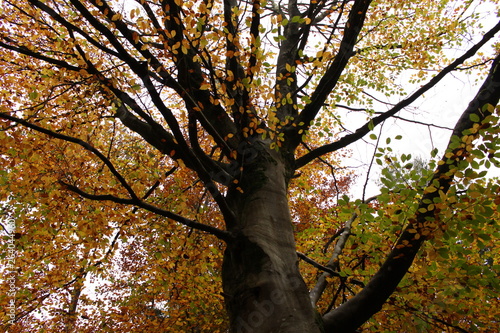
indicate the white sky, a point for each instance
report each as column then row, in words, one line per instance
column 442, row 106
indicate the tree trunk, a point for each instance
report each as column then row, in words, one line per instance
column 263, row 289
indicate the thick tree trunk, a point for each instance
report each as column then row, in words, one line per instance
column 263, row 288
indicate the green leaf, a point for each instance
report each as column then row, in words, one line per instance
column 474, row 117
column 443, row 252
column 371, row 126
column 33, row 95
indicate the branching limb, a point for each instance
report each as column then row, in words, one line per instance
column 329, row 80
column 72, row 27
column 276, row 8
column 327, row 270
column 366, row 128
column 422, row 123
column 13, row 46
column 133, row 200
column 319, row 288
column 150, row 130
column 322, row 13
column 82, row 143
column 368, row 301
column 255, row 42
column 235, row 72
column 221, row 234
column 286, row 77
column 314, row 10
column 190, row 76
column 353, row 109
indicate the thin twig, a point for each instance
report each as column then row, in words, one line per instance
column 326, row 269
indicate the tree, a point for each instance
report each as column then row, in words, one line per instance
column 142, row 141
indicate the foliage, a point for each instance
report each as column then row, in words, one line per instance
column 136, row 138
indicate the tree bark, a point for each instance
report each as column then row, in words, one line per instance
column 263, row 289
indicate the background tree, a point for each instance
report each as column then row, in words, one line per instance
column 150, row 146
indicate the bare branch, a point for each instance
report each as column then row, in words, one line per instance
column 327, row 270
column 421, row 123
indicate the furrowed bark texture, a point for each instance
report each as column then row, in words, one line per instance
column 263, row 288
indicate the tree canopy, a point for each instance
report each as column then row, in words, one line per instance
column 182, row 166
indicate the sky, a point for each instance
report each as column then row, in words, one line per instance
column 441, row 106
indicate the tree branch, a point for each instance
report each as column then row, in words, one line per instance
column 286, row 79
column 369, row 301
column 221, row 234
column 328, row 82
column 134, row 199
column 72, row 27
column 419, row 122
column 366, row 128
column 82, row 143
column 24, row 50
column 327, row 270
column 321, row 284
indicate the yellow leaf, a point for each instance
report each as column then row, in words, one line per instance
column 116, row 17
column 430, row 189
